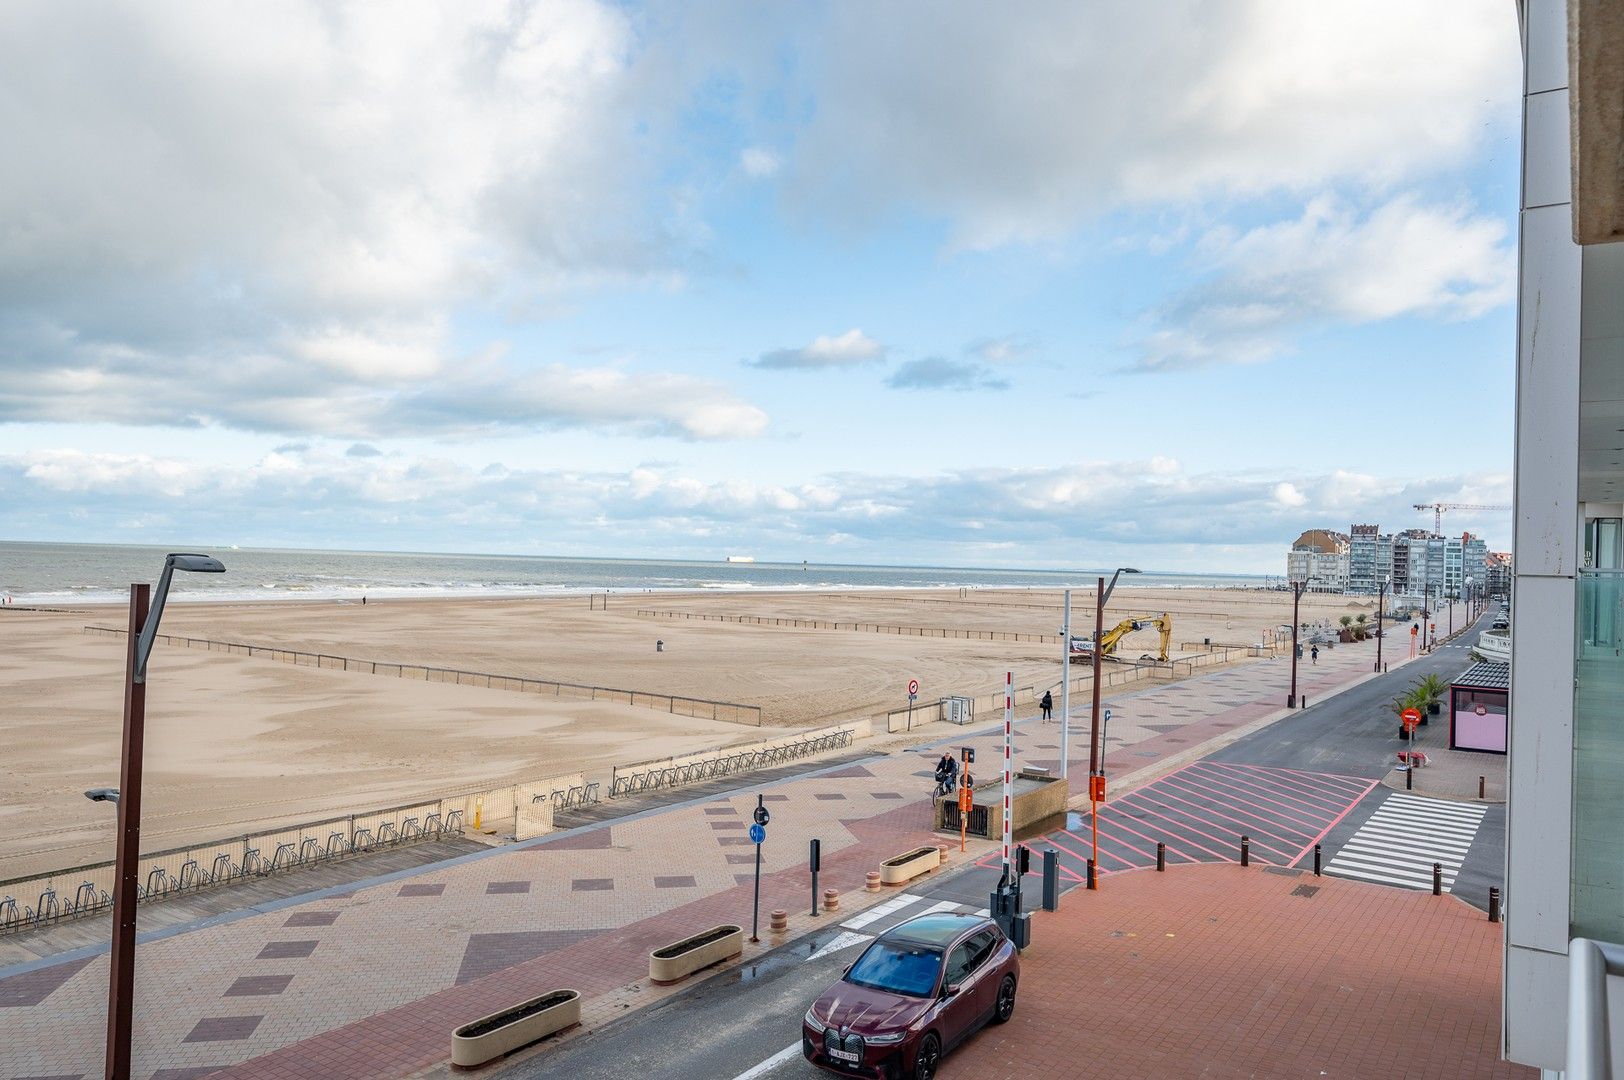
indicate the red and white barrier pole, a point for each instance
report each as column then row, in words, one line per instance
column 1009, row 746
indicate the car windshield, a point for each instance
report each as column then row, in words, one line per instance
column 898, row 967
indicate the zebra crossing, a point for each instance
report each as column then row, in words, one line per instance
column 867, row 925
column 1398, row 844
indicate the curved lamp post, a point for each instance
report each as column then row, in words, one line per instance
column 1096, row 776
column 127, row 796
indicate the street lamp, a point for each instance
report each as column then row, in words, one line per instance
column 1381, row 602
column 1096, row 778
column 127, row 796
column 1470, row 599
column 1298, row 584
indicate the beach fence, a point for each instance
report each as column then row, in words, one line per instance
column 867, row 627
column 701, row 708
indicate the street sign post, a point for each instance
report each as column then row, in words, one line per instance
column 913, row 692
column 1105, row 735
column 1412, row 720
column 758, row 833
column 967, row 800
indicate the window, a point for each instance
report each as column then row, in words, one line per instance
column 963, row 961
column 898, row 967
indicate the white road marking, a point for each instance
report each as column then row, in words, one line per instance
column 1398, row 844
column 771, row 1063
column 880, row 911
column 844, row 941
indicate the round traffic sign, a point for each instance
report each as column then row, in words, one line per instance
column 913, row 687
column 761, row 815
column 757, row 834
column 1411, row 718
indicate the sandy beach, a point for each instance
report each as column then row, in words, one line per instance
column 235, row 742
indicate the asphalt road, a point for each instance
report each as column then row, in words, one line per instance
column 745, row 1024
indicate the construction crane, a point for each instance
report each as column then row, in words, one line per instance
column 1082, row 648
column 1438, row 509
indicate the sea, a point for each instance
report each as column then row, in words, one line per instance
column 41, row 575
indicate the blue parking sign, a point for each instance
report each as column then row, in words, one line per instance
column 757, row 834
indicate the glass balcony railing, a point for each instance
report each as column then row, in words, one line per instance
column 1598, row 758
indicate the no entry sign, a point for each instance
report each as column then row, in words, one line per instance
column 913, row 687
column 1411, row 718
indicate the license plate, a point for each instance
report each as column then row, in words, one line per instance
column 846, row 1055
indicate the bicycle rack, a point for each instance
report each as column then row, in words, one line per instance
column 453, row 821
column 434, row 824
column 164, row 882
column 252, row 863
column 9, row 916
column 191, row 875
column 47, row 907
column 309, row 850
column 282, row 858
column 336, row 845
column 410, row 829
column 384, row 833
column 85, row 898
column 363, row 840
column 215, row 870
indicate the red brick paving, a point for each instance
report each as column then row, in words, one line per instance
column 1217, row 972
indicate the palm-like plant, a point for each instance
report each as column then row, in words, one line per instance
column 1431, row 690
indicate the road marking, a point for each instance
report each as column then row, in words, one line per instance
column 1398, row 844
column 771, row 1063
column 880, row 911
column 844, row 941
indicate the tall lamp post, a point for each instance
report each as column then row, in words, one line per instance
column 1471, row 600
column 1065, row 687
column 143, row 632
column 1381, row 603
column 1297, row 587
column 1096, row 778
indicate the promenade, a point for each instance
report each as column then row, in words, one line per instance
column 367, row 980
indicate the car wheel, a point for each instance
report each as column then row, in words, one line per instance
column 1006, row 1000
column 930, row 1056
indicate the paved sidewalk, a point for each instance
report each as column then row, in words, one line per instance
column 1222, row 972
column 367, row 980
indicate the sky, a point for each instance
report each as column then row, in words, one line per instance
column 1059, row 284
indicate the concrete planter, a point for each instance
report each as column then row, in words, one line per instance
column 682, row 958
column 490, row 1037
column 909, row 865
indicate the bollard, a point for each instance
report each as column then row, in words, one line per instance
column 1437, row 879
column 872, row 884
column 1092, row 884
column 1480, row 787
column 831, row 899
column 778, row 921
column 942, row 851
column 1051, row 879
column 1305, row 701
column 1246, row 851
column 1316, row 860
column 1494, row 904
column 1161, row 855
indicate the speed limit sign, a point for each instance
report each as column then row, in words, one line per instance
column 913, row 687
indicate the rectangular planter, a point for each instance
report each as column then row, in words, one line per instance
column 682, row 958
column 490, row 1037
column 907, row 866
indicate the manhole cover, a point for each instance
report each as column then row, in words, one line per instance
column 1305, row 890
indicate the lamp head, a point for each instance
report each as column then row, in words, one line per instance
column 102, row 794
column 197, row 564
column 1127, row 570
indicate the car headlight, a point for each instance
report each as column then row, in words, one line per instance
column 812, row 1019
column 885, row 1040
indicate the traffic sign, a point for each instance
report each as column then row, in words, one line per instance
column 1411, row 718
column 913, row 687
column 757, row 834
column 761, row 816
column 1106, row 713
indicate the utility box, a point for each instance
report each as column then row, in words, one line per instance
column 1020, row 930
column 959, row 710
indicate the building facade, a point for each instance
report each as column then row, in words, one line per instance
column 1564, row 847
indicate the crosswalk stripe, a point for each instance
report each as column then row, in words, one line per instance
column 880, row 911
column 844, row 941
column 1404, row 838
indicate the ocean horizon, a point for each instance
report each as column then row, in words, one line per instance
column 33, row 573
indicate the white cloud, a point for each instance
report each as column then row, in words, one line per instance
column 841, row 350
column 759, row 163
column 1042, row 516
column 1335, row 264
column 1132, row 106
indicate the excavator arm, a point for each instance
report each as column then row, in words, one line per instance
column 1082, row 646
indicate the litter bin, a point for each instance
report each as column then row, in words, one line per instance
column 659, row 646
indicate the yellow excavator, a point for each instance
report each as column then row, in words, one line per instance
column 1082, row 648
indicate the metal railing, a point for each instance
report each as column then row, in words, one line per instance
column 647, row 777
column 702, row 708
column 1590, row 962
column 38, row 899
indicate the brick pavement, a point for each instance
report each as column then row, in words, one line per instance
column 368, row 980
column 1216, row 971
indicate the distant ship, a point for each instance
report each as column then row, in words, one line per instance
column 741, row 558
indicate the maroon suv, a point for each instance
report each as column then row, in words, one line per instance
column 918, row 989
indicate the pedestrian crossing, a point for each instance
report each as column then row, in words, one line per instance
column 1398, row 844
column 865, row 926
